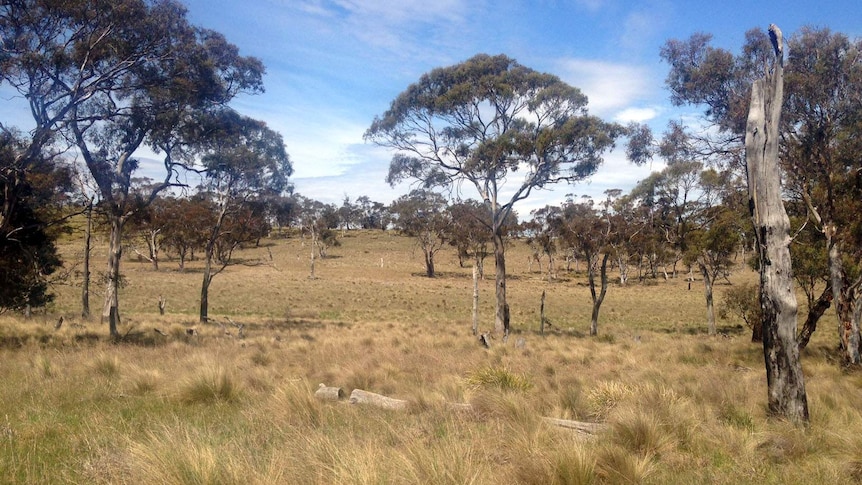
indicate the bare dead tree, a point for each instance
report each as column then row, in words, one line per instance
column 785, row 383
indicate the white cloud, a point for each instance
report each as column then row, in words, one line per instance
column 637, row 115
column 609, row 86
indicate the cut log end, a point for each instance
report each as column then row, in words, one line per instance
column 326, row 393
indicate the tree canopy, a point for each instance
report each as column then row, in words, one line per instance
column 498, row 126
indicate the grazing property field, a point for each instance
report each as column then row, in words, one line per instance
column 170, row 407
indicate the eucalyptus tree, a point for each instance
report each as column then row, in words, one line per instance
column 423, row 215
column 31, row 190
column 818, row 135
column 471, row 232
column 822, row 146
column 244, row 160
column 112, row 77
column 318, row 221
column 588, row 232
column 544, row 230
column 498, row 126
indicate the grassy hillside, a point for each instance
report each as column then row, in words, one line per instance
column 681, row 407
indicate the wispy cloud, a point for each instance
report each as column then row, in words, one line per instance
column 609, row 86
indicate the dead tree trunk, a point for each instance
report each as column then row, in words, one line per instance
column 785, row 383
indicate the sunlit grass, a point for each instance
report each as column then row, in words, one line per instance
column 680, row 407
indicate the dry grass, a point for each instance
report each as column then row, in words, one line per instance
column 211, row 408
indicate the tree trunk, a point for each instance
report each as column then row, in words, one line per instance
column 815, row 311
column 153, row 243
column 784, row 378
column 313, row 248
column 476, row 299
column 501, row 318
column 598, row 299
column 205, row 289
column 542, row 315
column 848, row 327
column 85, row 285
column 707, row 289
column 111, row 310
column 429, row 263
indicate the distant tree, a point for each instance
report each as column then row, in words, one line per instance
column 349, row 215
column 373, row 215
column 317, row 220
column 423, row 215
column 148, row 224
column 112, row 90
column 188, row 226
column 487, row 121
column 471, row 234
column 585, row 230
column 544, row 229
column 743, row 302
column 243, row 159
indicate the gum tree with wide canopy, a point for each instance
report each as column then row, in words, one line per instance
column 498, row 126
column 112, row 77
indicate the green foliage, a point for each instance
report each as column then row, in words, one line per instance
column 742, row 301
column 31, row 189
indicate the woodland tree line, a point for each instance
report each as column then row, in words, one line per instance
column 103, row 79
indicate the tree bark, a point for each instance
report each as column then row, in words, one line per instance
column 785, row 382
column 542, row 315
column 111, row 310
column 205, row 289
column 85, row 285
column 429, row 263
column 501, row 317
column 848, row 327
column 814, row 313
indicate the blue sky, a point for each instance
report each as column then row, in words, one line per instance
column 332, row 65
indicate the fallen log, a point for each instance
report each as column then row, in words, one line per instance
column 579, row 426
column 326, row 393
column 358, row 396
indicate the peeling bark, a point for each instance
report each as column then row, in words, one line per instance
column 785, row 382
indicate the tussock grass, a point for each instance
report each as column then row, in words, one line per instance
column 498, row 378
column 210, row 386
column 681, row 407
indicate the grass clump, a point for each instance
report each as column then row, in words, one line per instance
column 107, row 366
column 211, row 386
column 498, row 378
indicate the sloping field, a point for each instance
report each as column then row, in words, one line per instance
column 680, row 407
